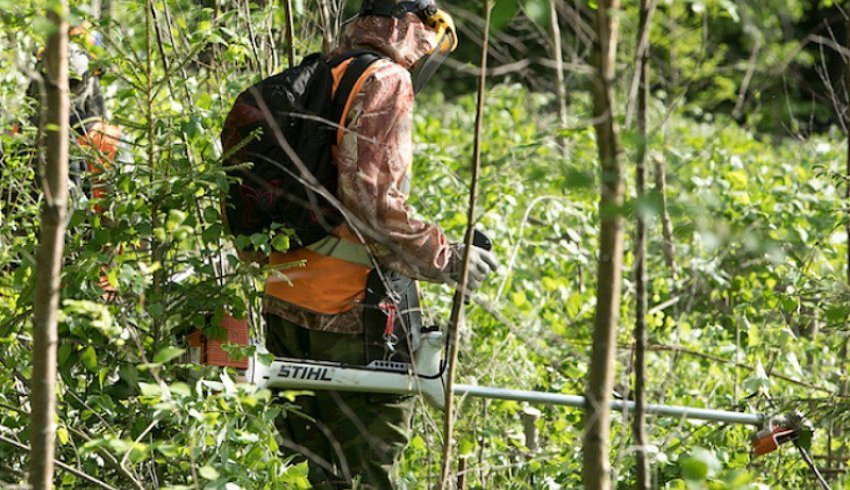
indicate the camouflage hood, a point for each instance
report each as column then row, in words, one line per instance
column 405, row 40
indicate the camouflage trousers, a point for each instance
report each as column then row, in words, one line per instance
column 344, row 437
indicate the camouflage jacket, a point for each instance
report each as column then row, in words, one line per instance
column 374, row 163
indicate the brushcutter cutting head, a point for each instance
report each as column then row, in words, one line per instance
column 793, row 427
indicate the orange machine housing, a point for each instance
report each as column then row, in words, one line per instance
column 770, row 439
column 209, row 352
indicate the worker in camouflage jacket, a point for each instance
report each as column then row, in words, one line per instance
column 358, row 284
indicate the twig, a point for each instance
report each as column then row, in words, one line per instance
column 558, row 54
column 709, row 357
column 745, row 83
column 457, row 307
column 252, row 37
column 643, row 477
column 525, row 220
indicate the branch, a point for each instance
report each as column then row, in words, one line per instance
column 457, row 307
column 709, row 357
column 69, row 469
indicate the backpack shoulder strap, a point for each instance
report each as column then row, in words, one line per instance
column 348, row 86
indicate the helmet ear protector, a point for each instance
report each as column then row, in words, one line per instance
column 435, row 18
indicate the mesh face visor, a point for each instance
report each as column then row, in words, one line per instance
column 426, row 67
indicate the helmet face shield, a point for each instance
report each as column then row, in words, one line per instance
column 426, row 67
column 447, row 42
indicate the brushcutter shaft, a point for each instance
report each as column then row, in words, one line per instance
column 401, row 379
column 618, row 405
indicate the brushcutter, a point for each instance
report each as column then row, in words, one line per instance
column 425, row 376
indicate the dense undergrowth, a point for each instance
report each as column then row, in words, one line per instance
column 752, row 319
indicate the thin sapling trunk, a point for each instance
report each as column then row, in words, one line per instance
column 596, row 465
column 54, row 156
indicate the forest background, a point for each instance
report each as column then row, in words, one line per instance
column 748, row 287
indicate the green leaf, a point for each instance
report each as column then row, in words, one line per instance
column 208, row 472
column 503, row 12
column 281, row 243
column 467, row 447
column 150, row 389
column 167, row 354
column 694, row 469
column 418, row 444
column 758, row 382
column 211, row 214
column 700, row 465
column 738, row 178
column 64, row 354
column 538, row 11
column 212, row 233
column 62, row 435
column 89, row 359
column 175, row 219
column 168, row 450
column 753, row 335
column 181, row 389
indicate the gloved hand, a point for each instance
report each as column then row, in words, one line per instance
column 481, row 264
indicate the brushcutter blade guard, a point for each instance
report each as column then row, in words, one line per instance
column 793, row 427
column 767, row 440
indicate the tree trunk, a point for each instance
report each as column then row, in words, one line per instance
column 50, row 249
column 844, row 387
column 847, row 118
column 105, row 9
column 328, row 31
column 643, row 480
column 290, row 32
column 596, row 467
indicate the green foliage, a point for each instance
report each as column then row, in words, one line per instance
column 749, row 216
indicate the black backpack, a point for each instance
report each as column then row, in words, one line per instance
column 270, row 187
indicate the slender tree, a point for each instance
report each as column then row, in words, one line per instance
column 54, row 156
column 596, row 467
column 328, row 30
column 844, row 353
column 456, row 319
column 290, row 32
column 660, row 173
column 643, row 480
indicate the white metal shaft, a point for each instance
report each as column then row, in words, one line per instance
column 619, row 405
column 425, row 377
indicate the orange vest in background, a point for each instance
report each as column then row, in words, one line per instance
column 102, row 138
